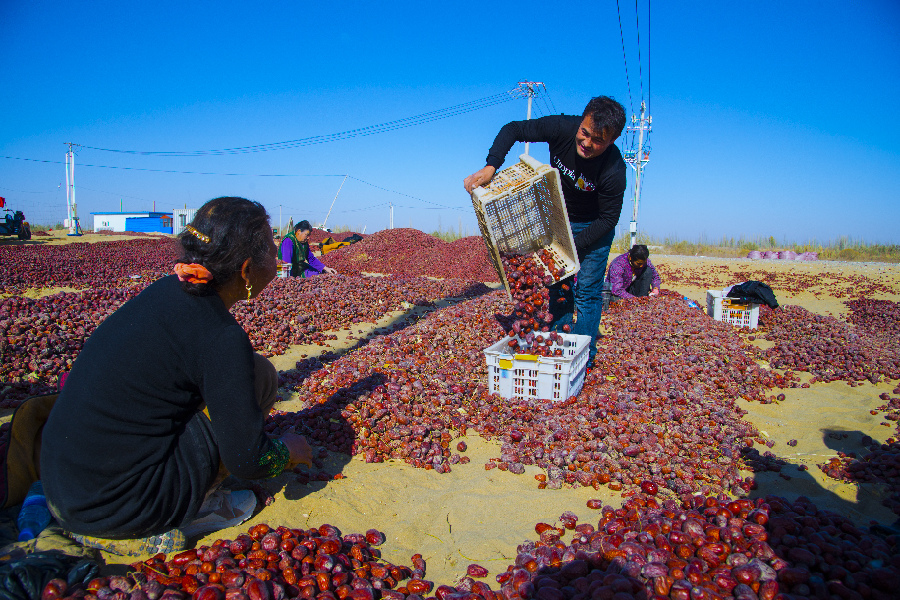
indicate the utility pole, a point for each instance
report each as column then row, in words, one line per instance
column 333, row 201
column 637, row 159
column 71, row 211
column 280, row 223
column 391, row 225
column 529, row 86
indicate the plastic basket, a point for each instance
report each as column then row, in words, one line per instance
column 522, row 210
column 729, row 310
column 538, row 377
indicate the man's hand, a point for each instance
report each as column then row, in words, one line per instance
column 329, row 270
column 654, row 292
column 300, row 451
column 482, row 177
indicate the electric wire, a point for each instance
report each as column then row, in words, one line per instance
column 421, row 119
column 622, row 37
column 406, row 195
column 25, row 191
column 547, row 93
column 81, row 187
column 173, row 171
column 546, row 104
column 640, row 66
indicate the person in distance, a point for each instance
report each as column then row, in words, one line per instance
column 295, row 251
column 633, row 275
column 167, row 397
column 592, row 172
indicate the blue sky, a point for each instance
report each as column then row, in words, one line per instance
column 769, row 118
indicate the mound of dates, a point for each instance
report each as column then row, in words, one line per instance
column 412, row 253
column 706, row 548
column 264, row 564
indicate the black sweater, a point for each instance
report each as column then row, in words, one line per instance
column 126, row 452
column 593, row 188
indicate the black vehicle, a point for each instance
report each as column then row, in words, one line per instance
column 14, row 223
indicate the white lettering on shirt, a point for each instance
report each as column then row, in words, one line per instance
column 581, row 183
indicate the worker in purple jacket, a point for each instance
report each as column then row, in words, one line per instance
column 295, row 251
column 632, row 274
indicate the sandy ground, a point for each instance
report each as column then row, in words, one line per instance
column 475, row 516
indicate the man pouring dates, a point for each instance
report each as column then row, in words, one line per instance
column 592, row 173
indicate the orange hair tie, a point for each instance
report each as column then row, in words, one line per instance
column 193, row 273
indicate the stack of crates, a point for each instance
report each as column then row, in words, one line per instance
column 730, row 310
column 521, row 211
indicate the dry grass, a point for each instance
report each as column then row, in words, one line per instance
column 843, row 248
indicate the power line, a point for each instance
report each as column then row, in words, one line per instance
column 640, row 66
column 423, row 118
column 407, row 195
column 25, row 191
column 543, row 99
column 57, row 162
column 622, row 37
column 547, row 93
column 648, row 55
column 118, row 194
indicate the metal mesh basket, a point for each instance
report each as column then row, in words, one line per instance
column 522, row 210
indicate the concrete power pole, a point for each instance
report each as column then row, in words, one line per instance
column 529, row 86
column 71, row 209
column 637, row 159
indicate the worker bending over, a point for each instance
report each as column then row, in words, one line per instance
column 295, row 250
column 592, row 173
column 633, row 275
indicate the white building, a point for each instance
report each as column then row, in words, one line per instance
column 182, row 217
column 116, row 221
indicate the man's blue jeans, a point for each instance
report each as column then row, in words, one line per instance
column 586, row 297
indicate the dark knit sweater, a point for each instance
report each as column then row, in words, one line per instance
column 126, row 452
column 593, row 188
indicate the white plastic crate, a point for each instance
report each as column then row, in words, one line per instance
column 728, row 310
column 522, row 210
column 538, row 377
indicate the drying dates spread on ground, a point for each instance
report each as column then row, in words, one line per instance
column 827, row 348
column 705, row 548
column 660, row 409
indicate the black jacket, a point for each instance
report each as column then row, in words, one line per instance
column 126, row 452
column 593, row 188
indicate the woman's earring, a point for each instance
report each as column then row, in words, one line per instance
column 249, row 289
